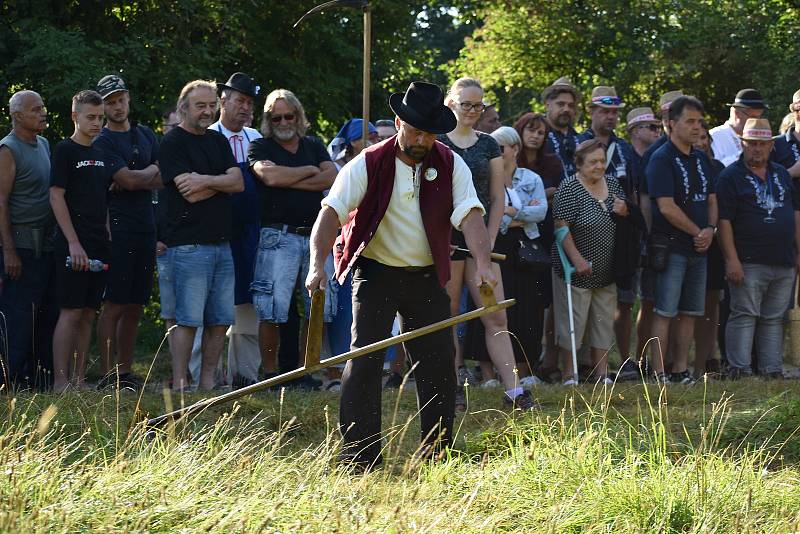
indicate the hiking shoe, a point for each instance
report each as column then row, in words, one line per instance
column 492, row 383
column 684, row 378
column 394, row 381
column 523, row 402
column 464, row 376
column 775, row 375
column 530, row 381
column 240, row 382
column 661, row 378
column 461, row 399
column 604, row 380
column 628, row 371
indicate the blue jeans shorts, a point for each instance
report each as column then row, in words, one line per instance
column 681, row 286
column 204, row 283
column 166, row 284
column 282, row 263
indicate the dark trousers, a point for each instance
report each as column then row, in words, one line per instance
column 28, row 315
column 379, row 293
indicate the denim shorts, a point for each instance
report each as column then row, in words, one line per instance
column 204, row 283
column 282, row 263
column 166, row 284
column 681, row 286
column 641, row 286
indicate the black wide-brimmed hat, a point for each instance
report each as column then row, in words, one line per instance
column 239, row 81
column 748, row 98
column 423, row 107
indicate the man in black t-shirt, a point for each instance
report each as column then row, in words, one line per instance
column 79, row 180
column 131, row 154
column 293, row 170
column 199, row 174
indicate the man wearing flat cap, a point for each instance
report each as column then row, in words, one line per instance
column 759, row 230
column 748, row 104
column 787, row 146
column 398, row 202
column 236, row 102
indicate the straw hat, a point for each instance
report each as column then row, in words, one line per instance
column 667, row 99
column 560, row 85
column 638, row 116
column 606, row 97
column 757, row 130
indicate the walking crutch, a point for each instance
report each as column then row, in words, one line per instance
column 561, row 234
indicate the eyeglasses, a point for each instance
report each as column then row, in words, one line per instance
column 467, row 106
column 276, row 119
column 652, row 127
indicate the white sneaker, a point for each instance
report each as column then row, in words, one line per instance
column 491, row 384
column 529, row 381
column 570, row 382
column 605, row 381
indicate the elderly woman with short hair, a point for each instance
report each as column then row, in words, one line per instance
column 586, row 205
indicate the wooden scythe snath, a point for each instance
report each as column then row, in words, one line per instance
column 366, row 8
column 312, row 361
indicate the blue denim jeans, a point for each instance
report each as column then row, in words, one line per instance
column 28, row 313
column 757, row 309
column 204, row 284
column 282, row 261
column 681, row 286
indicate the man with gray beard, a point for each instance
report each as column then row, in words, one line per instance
column 292, row 171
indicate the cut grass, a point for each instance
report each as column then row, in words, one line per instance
column 711, row 458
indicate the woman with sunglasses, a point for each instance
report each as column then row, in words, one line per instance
column 483, row 156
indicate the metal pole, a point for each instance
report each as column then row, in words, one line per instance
column 365, row 76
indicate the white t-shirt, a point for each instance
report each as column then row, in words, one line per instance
column 400, row 240
column 726, row 144
column 240, row 141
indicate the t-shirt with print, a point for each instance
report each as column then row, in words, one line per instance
column 592, row 229
column 563, row 145
column 130, row 211
column 688, row 179
column 477, row 158
column 285, row 205
column 82, row 172
column 786, row 151
column 207, row 221
column 744, row 201
column 645, row 160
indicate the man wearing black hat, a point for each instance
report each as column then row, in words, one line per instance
column 748, row 104
column 132, row 153
column 408, row 192
column 236, row 98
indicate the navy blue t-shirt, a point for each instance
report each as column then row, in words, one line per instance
column 742, row 198
column 130, row 211
column 645, row 160
column 621, row 162
column 786, row 151
column 688, row 179
column 563, row 145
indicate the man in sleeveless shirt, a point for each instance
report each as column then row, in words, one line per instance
column 26, row 230
column 408, row 192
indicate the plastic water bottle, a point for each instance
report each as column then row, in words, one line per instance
column 95, row 266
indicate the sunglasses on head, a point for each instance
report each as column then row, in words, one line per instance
column 276, row 119
column 607, row 100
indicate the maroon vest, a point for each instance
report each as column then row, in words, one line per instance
column 435, row 202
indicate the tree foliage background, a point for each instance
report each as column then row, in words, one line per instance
column 710, row 48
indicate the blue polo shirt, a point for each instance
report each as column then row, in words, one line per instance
column 688, row 179
column 786, row 151
column 563, row 145
column 741, row 196
column 622, row 161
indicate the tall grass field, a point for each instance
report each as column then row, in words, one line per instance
column 714, row 457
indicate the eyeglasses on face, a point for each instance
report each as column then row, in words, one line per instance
column 469, row 106
column 276, row 119
column 652, row 127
